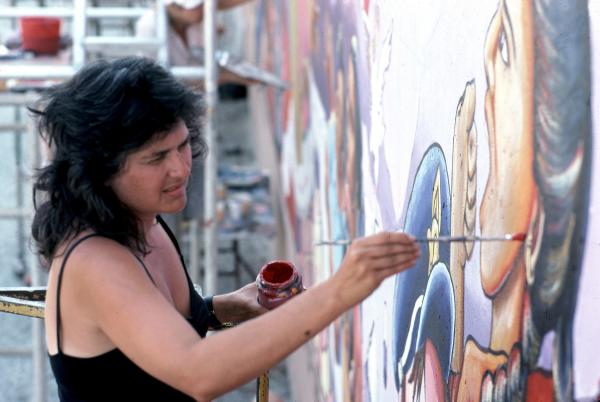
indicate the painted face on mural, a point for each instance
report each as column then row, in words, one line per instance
column 345, row 150
column 352, row 161
column 510, row 193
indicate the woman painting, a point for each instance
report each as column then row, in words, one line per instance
column 123, row 321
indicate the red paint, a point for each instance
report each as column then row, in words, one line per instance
column 277, row 272
column 539, row 387
column 519, row 236
column 277, row 281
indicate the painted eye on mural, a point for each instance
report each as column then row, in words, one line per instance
column 503, row 47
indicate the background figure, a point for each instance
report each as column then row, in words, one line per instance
column 423, row 297
column 344, row 215
column 186, row 32
column 538, row 114
column 562, row 167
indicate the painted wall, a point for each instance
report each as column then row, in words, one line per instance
column 445, row 118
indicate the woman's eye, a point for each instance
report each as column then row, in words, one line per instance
column 184, row 145
column 156, row 160
column 503, row 47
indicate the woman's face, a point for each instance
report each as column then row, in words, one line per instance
column 510, row 191
column 154, row 179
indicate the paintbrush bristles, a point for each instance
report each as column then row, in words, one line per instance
column 441, row 239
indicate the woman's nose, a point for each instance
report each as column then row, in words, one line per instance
column 179, row 165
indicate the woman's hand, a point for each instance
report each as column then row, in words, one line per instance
column 369, row 260
column 238, row 306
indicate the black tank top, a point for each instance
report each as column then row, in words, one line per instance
column 111, row 376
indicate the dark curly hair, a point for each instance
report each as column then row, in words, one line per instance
column 92, row 123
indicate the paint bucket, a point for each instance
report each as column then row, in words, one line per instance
column 40, row 35
column 277, row 281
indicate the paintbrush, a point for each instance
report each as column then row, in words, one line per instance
column 441, row 239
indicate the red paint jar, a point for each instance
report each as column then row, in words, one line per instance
column 277, row 281
column 40, row 35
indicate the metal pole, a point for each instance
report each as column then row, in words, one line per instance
column 210, row 171
column 79, row 17
column 37, row 327
column 194, row 249
column 18, row 136
column 162, row 29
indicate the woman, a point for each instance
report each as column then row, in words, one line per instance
column 122, row 319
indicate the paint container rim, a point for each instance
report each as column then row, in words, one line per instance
column 293, row 274
column 272, row 294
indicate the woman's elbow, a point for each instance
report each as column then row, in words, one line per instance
column 203, row 392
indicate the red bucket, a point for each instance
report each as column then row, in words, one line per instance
column 40, row 35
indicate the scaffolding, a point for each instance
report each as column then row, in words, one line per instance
column 28, row 301
column 82, row 14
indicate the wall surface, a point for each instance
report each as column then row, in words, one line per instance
column 444, row 118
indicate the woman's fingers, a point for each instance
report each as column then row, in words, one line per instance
column 395, row 267
column 393, row 260
column 371, row 259
column 384, row 250
column 382, row 246
column 384, row 238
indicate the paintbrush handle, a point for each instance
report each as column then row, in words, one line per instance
column 442, row 239
column 332, row 243
column 446, row 239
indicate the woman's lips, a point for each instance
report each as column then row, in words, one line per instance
column 176, row 190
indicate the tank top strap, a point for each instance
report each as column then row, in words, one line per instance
column 171, row 235
column 60, row 277
column 59, row 284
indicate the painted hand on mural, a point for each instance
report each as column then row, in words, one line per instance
column 464, row 176
column 463, row 208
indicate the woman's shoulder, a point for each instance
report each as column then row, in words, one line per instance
column 92, row 251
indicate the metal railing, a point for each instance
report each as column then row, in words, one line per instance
column 31, row 301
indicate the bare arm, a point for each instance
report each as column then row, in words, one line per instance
column 181, row 16
column 239, row 306
column 144, row 325
column 225, row 4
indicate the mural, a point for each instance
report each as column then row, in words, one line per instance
column 445, row 118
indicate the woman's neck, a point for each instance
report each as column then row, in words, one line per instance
column 148, row 222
